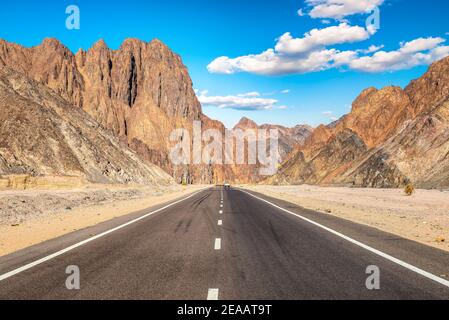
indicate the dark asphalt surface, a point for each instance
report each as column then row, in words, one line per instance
column 265, row 254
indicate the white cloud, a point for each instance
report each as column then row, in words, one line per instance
column 301, row 13
column 250, row 94
column 338, row 9
column 371, row 49
column 286, row 91
column 238, row 102
column 421, row 44
column 311, row 53
column 317, row 38
column 422, row 51
column 295, row 55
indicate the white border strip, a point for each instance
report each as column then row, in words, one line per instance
column 79, row 244
column 362, row 245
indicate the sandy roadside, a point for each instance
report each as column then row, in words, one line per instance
column 423, row 217
column 44, row 225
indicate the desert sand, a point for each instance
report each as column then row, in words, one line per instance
column 30, row 217
column 422, row 217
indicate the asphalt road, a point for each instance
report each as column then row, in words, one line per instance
column 248, row 249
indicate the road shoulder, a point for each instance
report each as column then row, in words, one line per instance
column 422, row 217
column 46, row 227
column 425, row 257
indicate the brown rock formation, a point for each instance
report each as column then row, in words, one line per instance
column 41, row 134
column 398, row 136
column 141, row 91
column 289, row 138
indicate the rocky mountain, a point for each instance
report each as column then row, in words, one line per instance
column 141, row 92
column 289, row 138
column 390, row 138
column 41, row 134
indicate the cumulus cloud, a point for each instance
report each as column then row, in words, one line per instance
column 422, row 51
column 295, row 55
column 313, row 53
column 245, row 101
column 317, row 38
column 338, row 9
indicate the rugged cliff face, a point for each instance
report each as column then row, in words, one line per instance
column 397, row 137
column 41, row 134
column 418, row 153
column 141, row 92
column 431, row 89
column 289, row 138
column 124, row 87
column 376, row 114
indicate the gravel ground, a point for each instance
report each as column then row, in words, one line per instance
column 17, row 207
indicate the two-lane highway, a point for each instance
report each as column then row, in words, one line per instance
column 226, row 244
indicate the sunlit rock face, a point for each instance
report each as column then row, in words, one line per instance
column 41, row 134
column 395, row 137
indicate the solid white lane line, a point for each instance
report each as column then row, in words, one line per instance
column 217, row 245
column 220, row 212
column 79, row 244
column 212, row 294
column 220, row 222
column 362, row 245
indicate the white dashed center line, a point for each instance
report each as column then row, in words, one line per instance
column 220, row 222
column 212, row 294
column 217, row 244
column 220, row 212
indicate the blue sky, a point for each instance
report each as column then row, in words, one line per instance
column 203, row 30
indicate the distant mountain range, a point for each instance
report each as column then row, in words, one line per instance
column 107, row 115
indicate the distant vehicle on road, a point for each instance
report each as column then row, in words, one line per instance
column 227, row 185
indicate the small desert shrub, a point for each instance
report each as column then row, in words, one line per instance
column 409, row 190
